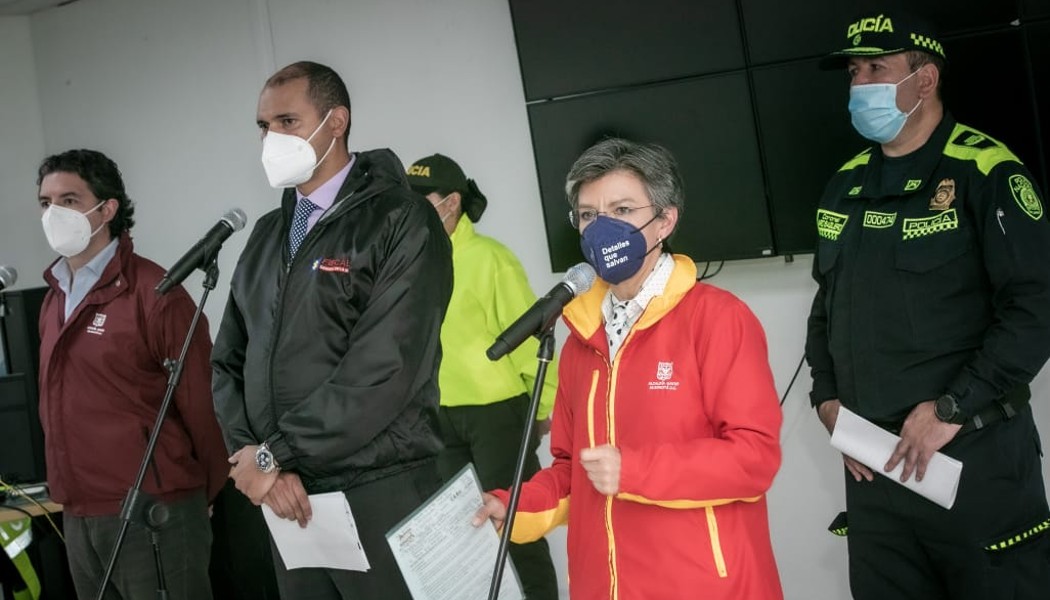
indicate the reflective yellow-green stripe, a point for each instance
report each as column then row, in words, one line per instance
column 861, row 159
column 1014, row 540
column 986, row 158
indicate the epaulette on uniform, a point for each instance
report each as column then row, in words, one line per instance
column 966, row 143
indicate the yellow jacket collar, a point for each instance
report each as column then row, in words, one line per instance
column 584, row 313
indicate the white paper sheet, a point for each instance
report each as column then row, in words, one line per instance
column 872, row 446
column 442, row 556
column 330, row 540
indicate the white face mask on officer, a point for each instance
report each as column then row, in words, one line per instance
column 289, row 160
column 68, row 231
column 447, row 214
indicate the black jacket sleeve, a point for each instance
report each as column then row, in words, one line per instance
column 1015, row 239
column 227, row 361
column 818, row 356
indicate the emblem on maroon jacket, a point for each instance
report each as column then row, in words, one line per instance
column 332, row 265
column 944, row 196
column 96, row 324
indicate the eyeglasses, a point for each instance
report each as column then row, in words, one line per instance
column 579, row 218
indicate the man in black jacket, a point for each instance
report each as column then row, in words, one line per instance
column 326, row 360
column 931, row 318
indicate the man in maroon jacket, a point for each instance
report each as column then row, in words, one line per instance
column 105, row 336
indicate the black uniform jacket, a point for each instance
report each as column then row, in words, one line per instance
column 332, row 357
column 934, row 276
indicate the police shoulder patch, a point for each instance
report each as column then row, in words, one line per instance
column 1025, row 196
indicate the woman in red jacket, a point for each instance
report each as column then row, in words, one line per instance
column 665, row 433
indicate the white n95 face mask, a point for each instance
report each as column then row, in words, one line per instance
column 68, row 231
column 289, row 159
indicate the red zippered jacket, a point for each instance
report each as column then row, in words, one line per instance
column 102, row 380
column 691, row 405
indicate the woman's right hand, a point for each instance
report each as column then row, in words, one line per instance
column 491, row 508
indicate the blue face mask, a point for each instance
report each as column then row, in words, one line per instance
column 873, row 107
column 616, row 249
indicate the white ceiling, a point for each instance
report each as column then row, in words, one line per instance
column 28, row 7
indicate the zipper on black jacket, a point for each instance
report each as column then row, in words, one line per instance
column 314, row 232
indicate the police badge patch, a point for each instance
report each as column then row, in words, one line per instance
column 1024, row 194
column 944, row 196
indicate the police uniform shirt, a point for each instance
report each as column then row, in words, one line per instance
column 933, row 277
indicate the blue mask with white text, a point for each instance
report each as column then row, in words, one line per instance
column 616, row 249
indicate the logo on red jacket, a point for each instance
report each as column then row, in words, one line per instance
column 96, row 324
column 664, row 375
column 332, row 265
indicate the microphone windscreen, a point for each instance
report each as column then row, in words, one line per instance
column 8, row 276
column 580, row 277
column 236, row 219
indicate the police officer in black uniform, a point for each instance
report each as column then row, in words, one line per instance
column 931, row 318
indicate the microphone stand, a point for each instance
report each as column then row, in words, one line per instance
column 138, row 506
column 544, row 355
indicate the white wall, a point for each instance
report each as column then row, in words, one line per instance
column 169, row 89
column 22, row 243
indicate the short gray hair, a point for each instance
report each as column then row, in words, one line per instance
column 653, row 164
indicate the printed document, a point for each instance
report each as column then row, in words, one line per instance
column 442, row 555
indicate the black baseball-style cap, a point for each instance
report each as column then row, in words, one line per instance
column 439, row 172
column 883, row 34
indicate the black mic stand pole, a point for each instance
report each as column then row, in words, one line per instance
column 138, row 506
column 545, row 355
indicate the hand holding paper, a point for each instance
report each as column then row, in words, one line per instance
column 873, row 446
column 922, row 435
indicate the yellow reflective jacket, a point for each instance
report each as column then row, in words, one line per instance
column 490, row 292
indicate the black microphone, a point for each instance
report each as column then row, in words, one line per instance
column 542, row 314
column 203, row 251
column 8, row 276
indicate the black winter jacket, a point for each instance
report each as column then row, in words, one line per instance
column 333, row 358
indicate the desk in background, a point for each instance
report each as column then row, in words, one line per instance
column 12, row 510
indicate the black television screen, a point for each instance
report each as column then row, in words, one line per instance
column 583, row 45
column 758, row 128
column 22, row 460
column 806, row 136
column 1039, row 54
column 707, row 123
column 778, row 31
column 1004, row 103
column 1035, row 8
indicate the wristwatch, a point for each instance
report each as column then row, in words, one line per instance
column 264, row 459
column 946, row 408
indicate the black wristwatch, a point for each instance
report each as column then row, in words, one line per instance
column 264, row 459
column 946, row 408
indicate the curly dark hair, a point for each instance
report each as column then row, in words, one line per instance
column 325, row 88
column 102, row 176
